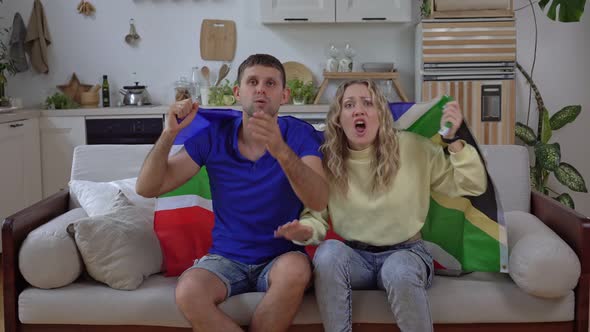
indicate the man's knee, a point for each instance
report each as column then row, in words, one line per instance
column 292, row 270
column 198, row 289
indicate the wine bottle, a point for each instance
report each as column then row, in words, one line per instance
column 106, row 95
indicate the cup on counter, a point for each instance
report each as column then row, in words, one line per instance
column 205, row 95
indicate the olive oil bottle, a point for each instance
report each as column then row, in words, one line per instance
column 106, row 94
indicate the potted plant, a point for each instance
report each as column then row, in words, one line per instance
column 301, row 93
column 6, row 65
column 222, row 95
column 547, row 156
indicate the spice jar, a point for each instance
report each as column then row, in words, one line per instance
column 182, row 89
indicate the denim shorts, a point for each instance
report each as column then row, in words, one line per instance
column 238, row 277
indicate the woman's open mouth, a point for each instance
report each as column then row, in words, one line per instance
column 360, row 127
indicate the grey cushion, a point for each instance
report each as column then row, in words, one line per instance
column 48, row 257
column 119, row 248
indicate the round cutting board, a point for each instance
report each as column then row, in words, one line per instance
column 297, row 70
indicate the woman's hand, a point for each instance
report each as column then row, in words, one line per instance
column 294, row 231
column 452, row 113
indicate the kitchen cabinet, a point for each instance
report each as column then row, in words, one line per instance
column 20, row 169
column 59, row 137
column 290, row 11
column 335, row 11
column 373, row 11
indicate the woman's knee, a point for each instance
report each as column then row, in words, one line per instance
column 330, row 254
column 403, row 269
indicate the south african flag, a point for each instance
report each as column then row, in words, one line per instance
column 463, row 233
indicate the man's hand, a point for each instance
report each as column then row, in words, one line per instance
column 266, row 129
column 452, row 113
column 294, row 231
column 183, row 110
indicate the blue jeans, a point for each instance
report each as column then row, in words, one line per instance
column 238, row 277
column 404, row 272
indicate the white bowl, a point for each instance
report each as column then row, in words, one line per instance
column 378, row 66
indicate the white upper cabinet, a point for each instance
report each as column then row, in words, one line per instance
column 290, row 11
column 373, row 11
column 330, row 11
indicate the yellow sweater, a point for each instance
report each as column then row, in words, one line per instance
column 396, row 215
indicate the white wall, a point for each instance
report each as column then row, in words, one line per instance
column 562, row 74
column 169, row 47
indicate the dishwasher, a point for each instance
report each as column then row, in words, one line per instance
column 123, row 129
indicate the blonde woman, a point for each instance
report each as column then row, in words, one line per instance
column 380, row 183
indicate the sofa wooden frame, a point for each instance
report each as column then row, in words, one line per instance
column 568, row 224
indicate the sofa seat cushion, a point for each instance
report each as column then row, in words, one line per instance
column 453, row 300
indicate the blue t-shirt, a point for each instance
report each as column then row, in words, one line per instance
column 250, row 199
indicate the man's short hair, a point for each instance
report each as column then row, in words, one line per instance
column 261, row 60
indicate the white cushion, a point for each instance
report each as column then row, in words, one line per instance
column 540, row 262
column 119, row 248
column 452, row 300
column 95, row 197
column 512, row 183
column 48, row 257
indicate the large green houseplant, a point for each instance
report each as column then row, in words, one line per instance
column 548, row 155
column 6, row 64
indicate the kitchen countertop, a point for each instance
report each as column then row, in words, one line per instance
column 306, row 111
column 18, row 114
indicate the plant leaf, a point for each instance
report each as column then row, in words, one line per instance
column 548, row 155
column 534, row 178
column 569, row 176
column 569, row 10
column 564, row 116
column 566, row 200
column 546, row 131
column 525, row 134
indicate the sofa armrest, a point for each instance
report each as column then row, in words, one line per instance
column 15, row 229
column 574, row 229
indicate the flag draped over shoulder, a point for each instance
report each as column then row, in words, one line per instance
column 183, row 218
column 462, row 233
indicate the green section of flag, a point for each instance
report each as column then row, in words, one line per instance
column 472, row 247
column 429, row 123
column 197, row 185
column 481, row 251
column 444, row 227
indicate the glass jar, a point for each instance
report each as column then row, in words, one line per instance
column 182, row 89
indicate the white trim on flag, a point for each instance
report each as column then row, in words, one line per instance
column 414, row 113
column 183, row 201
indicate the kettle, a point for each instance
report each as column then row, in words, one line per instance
column 135, row 95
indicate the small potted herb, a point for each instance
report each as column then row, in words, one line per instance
column 301, row 93
column 60, row 101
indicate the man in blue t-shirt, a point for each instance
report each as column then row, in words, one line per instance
column 262, row 170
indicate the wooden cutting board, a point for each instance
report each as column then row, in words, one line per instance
column 218, row 40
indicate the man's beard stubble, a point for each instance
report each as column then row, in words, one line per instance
column 250, row 111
